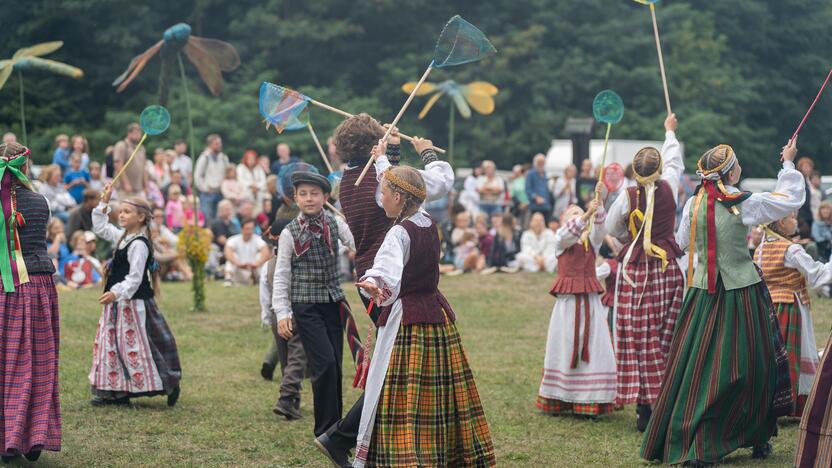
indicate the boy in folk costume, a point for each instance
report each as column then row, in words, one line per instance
column 421, row 405
column 307, row 293
column 579, row 375
column 650, row 285
column 288, row 353
column 30, row 332
column 134, row 352
column 727, row 377
column 788, row 272
column 356, row 139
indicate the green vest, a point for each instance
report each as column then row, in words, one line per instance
column 733, row 261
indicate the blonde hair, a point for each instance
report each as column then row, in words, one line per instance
column 647, row 162
column 407, row 182
column 825, row 204
column 143, row 207
column 47, row 172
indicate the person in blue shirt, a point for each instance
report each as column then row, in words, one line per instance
column 76, row 179
column 62, row 151
column 537, row 188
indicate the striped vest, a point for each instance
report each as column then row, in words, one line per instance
column 35, row 210
column 367, row 221
column 315, row 276
column 782, row 282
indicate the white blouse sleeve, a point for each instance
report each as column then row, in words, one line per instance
column 683, row 233
column 817, row 274
column 439, row 179
column 101, row 224
column 381, row 164
column 602, row 271
column 568, row 234
column 388, row 265
column 281, row 303
column 673, row 166
column 265, row 298
column 618, row 218
column 344, row 233
column 767, row 207
column 137, row 256
column 599, row 232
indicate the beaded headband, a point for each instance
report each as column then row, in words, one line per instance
column 405, row 185
column 24, row 154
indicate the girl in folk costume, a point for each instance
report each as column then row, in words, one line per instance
column 814, row 441
column 29, row 316
column 579, row 374
column 788, row 270
column 650, row 284
column 421, row 406
column 727, row 379
column 134, row 352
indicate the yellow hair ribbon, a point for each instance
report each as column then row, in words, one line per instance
column 650, row 248
column 636, row 217
column 692, row 246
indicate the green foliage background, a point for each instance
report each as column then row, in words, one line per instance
column 740, row 71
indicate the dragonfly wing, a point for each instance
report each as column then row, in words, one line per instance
column 208, row 68
column 136, row 66
column 224, row 53
column 38, row 49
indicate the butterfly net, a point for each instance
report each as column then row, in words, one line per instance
column 284, row 108
column 607, row 107
column 154, row 120
column 285, row 187
column 460, row 42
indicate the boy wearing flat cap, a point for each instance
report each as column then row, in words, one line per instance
column 307, row 288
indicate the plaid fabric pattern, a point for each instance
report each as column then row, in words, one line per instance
column 29, row 343
column 429, row 413
column 162, row 346
column 556, row 407
column 644, row 323
column 788, row 317
column 315, row 277
column 814, row 441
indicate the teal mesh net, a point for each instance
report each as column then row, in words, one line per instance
column 460, row 42
column 154, row 120
column 282, row 107
column 607, row 107
column 285, row 187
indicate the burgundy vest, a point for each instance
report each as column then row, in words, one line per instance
column 366, row 219
column 576, row 272
column 608, row 299
column 663, row 233
column 421, row 300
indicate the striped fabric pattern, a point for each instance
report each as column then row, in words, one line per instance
column 814, row 441
column 721, row 378
column 644, row 323
column 782, row 282
column 365, row 218
column 429, row 413
column 30, row 327
column 556, row 407
column 788, row 316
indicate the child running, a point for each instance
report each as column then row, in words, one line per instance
column 134, row 352
column 421, row 406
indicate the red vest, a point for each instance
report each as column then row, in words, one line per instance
column 367, row 221
column 664, row 222
column 576, row 272
column 421, row 300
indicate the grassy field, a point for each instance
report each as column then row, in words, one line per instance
column 224, row 417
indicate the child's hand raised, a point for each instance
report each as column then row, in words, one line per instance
column 591, row 209
column 107, row 193
column 394, row 138
column 379, row 149
column 789, row 151
column 670, row 123
column 421, row 144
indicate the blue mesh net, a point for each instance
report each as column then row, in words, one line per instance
column 607, row 107
column 460, row 42
column 282, row 107
column 154, row 120
column 285, row 187
column 335, row 181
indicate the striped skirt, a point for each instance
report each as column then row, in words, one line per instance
column 134, row 353
column 814, row 441
column 644, row 321
column 29, row 343
column 799, row 337
column 429, row 412
column 725, row 374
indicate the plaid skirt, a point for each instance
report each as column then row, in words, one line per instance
column 557, row 407
column 814, row 441
column 29, row 343
column 644, row 321
column 429, row 412
column 134, row 353
column 799, row 338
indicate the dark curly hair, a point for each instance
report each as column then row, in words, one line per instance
column 356, row 136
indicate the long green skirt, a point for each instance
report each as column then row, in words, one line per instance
column 718, row 392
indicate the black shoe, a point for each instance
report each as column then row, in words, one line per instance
column 644, row 412
column 267, row 371
column 174, row 396
column 286, row 408
column 339, row 458
column 110, row 401
column 32, row 456
column 761, row 451
column 9, row 458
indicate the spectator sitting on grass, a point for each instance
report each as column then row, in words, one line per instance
column 537, row 247
column 245, row 253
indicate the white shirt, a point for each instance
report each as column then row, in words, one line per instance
column 760, row 208
column 438, row 176
column 184, row 165
column 281, row 302
column 248, row 177
column 137, row 253
column 533, row 245
column 672, row 169
column 246, row 251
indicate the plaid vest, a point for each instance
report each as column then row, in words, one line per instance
column 782, row 282
column 315, row 276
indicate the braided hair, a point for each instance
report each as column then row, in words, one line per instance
column 409, row 181
column 647, row 162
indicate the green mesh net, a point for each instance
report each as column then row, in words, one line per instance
column 154, row 120
column 607, row 107
column 282, row 107
column 460, row 42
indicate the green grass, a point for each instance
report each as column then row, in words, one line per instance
column 224, row 417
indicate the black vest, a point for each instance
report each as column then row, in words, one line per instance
column 120, row 268
column 35, row 210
